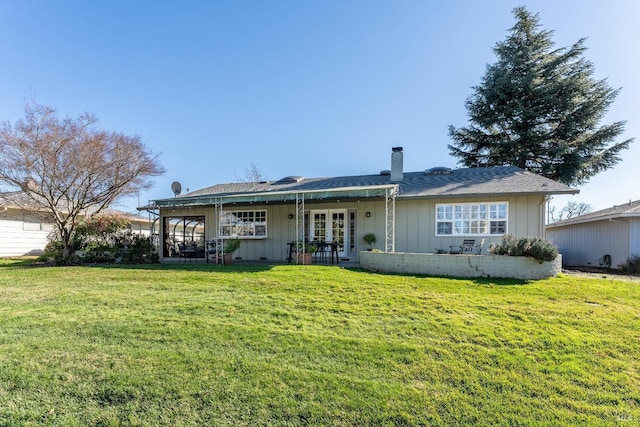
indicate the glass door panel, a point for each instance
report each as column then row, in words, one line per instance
column 329, row 226
column 337, row 230
column 319, row 224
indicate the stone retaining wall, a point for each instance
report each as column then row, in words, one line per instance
column 525, row 268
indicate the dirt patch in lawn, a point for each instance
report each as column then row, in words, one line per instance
column 600, row 273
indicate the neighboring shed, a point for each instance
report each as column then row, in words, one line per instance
column 604, row 238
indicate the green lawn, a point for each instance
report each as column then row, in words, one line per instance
column 312, row 345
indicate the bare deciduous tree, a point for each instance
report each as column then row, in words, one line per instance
column 570, row 210
column 70, row 167
column 252, row 173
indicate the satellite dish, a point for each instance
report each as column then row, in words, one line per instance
column 176, row 187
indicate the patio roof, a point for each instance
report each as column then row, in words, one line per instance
column 276, row 197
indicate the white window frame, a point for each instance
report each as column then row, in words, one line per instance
column 472, row 219
column 244, row 224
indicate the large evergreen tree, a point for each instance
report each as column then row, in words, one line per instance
column 539, row 108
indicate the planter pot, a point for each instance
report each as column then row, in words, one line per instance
column 305, row 258
column 224, row 259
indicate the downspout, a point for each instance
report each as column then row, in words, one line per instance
column 543, row 219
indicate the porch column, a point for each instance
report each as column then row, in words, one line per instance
column 219, row 240
column 299, row 224
column 390, row 224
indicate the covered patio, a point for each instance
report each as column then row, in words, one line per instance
column 182, row 234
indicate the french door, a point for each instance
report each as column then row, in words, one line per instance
column 329, row 225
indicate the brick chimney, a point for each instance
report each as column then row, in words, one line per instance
column 396, row 164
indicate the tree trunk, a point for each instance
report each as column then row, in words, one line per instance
column 67, row 248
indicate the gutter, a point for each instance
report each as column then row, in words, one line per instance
column 619, row 221
column 276, row 196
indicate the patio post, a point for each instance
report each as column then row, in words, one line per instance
column 390, row 224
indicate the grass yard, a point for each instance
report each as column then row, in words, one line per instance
column 312, row 345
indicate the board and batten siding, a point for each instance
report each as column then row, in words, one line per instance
column 21, row 234
column 415, row 223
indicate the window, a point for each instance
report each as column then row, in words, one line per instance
column 245, row 224
column 471, row 219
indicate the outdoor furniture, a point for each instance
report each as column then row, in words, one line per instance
column 465, row 248
column 321, row 252
column 292, row 246
column 334, row 250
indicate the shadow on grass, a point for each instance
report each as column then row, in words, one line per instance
column 245, row 267
column 237, row 267
column 487, row 281
column 21, row 262
column 204, row 267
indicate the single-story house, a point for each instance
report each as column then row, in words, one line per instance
column 25, row 231
column 423, row 212
column 606, row 238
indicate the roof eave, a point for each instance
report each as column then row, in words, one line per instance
column 496, row 194
column 577, row 221
column 375, row 191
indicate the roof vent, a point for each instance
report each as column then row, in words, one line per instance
column 289, row 179
column 438, row 170
column 385, row 172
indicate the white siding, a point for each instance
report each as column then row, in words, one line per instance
column 586, row 244
column 19, row 237
column 634, row 237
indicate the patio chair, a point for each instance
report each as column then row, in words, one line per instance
column 465, row 248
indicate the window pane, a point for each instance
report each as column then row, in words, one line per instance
column 444, row 212
column 498, row 227
column 444, row 228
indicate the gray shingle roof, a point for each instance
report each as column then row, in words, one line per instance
column 506, row 180
column 630, row 209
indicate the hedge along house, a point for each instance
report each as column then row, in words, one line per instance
column 421, row 212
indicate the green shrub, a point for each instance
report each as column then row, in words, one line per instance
column 540, row 249
column 370, row 238
column 53, row 251
column 231, row 245
column 102, row 239
column 631, row 265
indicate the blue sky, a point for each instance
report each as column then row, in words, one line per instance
column 311, row 88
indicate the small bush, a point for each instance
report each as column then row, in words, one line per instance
column 53, row 252
column 540, row 249
column 631, row 265
column 370, row 238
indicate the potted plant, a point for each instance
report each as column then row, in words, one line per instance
column 230, row 246
column 370, row 238
column 306, row 256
